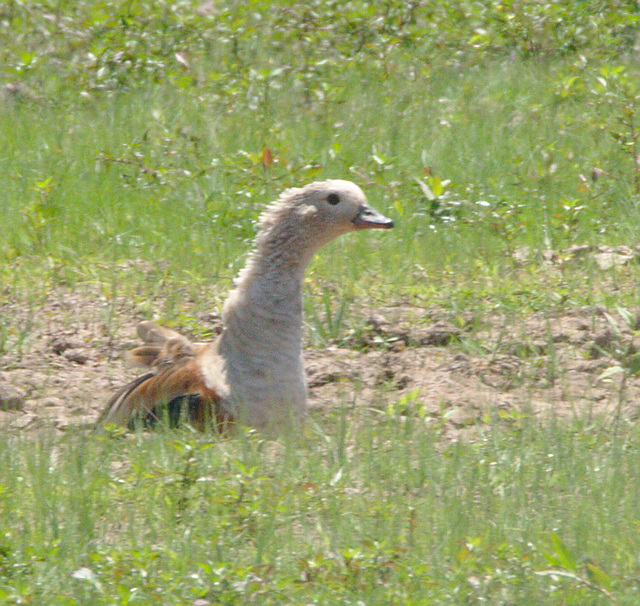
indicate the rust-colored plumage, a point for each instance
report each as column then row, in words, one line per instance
column 175, row 391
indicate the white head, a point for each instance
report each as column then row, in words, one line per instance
column 320, row 212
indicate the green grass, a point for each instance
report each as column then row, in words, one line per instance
column 130, row 168
column 363, row 507
column 169, row 167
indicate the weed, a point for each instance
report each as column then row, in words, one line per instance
column 327, row 325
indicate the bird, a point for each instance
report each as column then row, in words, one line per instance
column 253, row 372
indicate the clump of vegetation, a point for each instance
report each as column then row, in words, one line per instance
column 149, row 107
column 177, row 518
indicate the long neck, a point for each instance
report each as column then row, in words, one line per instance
column 266, row 300
column 263, row 316
column 270, row 285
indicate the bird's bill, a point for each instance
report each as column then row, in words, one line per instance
column 368, row 218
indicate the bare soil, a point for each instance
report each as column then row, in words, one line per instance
column 61, row 361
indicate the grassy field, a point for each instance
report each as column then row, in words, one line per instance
column 151, row 134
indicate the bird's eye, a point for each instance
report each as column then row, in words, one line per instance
column 333, row 199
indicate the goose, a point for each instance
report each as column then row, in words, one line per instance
column 253, row 372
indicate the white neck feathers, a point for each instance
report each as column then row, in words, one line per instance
column 262, row 339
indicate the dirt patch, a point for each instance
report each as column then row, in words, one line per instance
column 62, row 360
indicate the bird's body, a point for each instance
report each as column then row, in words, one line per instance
column 253, row 372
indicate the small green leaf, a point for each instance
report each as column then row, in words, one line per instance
column 598, row 576
column 565, row 558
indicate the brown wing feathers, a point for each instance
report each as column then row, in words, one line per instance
column 175, row 391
